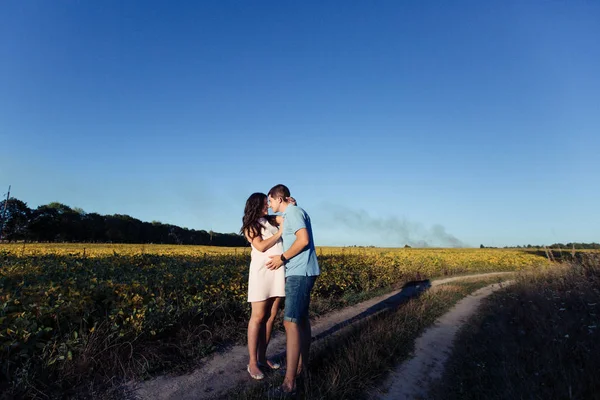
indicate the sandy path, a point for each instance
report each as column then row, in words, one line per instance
column 222, row 371
column 412, row 379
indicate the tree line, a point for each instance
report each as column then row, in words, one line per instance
column 570, row 245
column 57, row 222
column 574, row 245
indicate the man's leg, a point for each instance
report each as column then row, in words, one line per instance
column 297, row 325
column 305, row 328
column 305, row 341
column 293, row 348
column 291, row 316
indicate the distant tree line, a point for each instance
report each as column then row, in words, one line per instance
column 575, row 245
column 56, row 222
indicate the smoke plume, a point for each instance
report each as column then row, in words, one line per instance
column 393, row 231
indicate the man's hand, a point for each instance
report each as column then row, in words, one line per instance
column 274, row 263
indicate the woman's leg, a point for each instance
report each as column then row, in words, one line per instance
column 273, row 308
column 257, row 321
column 272, row 315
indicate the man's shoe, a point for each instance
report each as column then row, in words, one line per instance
column 270, row 364
column 279, row 393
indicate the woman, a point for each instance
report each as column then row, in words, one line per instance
column 265, row 287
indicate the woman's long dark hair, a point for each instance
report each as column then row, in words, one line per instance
column 252, row 213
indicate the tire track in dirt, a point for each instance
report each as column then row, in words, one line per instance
column 413, row 378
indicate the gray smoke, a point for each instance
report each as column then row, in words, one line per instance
column 395, row 231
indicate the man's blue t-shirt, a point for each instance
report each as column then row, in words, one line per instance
column 304, row 263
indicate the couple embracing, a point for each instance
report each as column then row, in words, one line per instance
column 283, row 264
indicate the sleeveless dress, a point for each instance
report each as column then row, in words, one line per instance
column 262, row 282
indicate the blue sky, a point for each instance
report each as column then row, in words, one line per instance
column 392, row 122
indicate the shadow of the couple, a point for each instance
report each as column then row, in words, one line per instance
column 410, row 290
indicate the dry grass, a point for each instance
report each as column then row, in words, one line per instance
column 352, row 362
column 538, row 339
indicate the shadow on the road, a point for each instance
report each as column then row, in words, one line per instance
column 410, row 290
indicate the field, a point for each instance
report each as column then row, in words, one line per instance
column 69, row 309
column 538, row 339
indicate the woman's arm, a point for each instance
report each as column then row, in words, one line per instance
column 263, row 245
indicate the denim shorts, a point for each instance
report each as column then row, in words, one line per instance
column 297, row 297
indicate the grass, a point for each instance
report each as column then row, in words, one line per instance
column 355, row 360
column 538, row 339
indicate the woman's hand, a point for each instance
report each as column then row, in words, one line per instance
column 292, row 200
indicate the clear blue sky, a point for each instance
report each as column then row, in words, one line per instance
column 392, row 122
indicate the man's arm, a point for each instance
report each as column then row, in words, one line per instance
column 302, row 240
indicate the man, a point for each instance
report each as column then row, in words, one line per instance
column 301, row 271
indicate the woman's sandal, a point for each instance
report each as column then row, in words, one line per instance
column 270, row 364
column 258, row 377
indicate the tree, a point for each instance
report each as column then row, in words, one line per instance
column 16, row 222
column 45, row 224
column 59, row 222
column 93, row 227
column 69, row 223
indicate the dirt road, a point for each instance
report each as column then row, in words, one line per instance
column 412, row 379
column 222, row 371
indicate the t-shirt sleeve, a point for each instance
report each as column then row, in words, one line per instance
column 295, row 220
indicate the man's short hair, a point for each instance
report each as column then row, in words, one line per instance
column 279, row 191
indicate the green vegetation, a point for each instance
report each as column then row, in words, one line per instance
column 72, row 319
